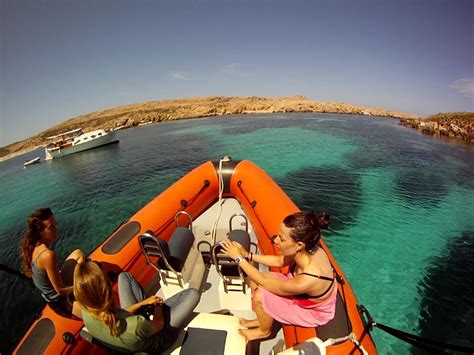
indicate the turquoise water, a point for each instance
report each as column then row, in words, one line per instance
column 401, row 206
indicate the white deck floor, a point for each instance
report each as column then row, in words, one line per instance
column 213, row 296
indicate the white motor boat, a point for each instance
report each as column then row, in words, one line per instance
column 76, row 141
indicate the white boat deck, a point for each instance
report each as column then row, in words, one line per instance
column 213, row 296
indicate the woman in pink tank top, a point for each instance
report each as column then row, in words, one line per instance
column 306, row 296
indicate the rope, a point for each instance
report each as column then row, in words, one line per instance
column 352, row 337
column 219, row 210
column 239, row 185
column 188, row 203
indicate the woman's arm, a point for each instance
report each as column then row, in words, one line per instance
column 268, row 260
column 158, row 321
column 295, row 286
column 152, row 300
column 50, row 264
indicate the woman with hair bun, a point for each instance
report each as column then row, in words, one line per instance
column 306, row 296
column 40, row 263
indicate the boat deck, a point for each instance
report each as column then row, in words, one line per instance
column 214, row 299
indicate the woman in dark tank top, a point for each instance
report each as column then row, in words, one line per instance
column 40, row 263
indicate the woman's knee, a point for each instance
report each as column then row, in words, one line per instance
column 192, row 296
column 77, row 255
column 258, row 296
column 184, row 300
column 125, row 278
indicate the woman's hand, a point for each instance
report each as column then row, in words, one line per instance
column 152, row 300
column 233, row 249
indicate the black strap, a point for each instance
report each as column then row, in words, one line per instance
column 415, row 340
column 424, row 343
column 15, row 272
column 318, row 276
column 327, row 290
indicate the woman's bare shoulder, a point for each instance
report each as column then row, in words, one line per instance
column 43, row 256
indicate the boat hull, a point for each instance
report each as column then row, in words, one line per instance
column 264, row 203
column 56, row 152
column 32, row 162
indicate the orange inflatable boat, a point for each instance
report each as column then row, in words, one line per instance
column 217, row 200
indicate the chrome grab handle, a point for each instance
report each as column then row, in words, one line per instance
column 239, row 215
column 186, row 214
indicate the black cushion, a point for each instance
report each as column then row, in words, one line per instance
column 337, row 327
column 204, row 341
column 180, row 244
column 240, row 236
column 125, row 234
column 39, row 338
column 226, row 265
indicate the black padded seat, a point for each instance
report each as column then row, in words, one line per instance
column 106, row 348
column 172, row 253
column 226, row 265
column 337, row 327
column 125, row 234
column 240, row 236
column 204, row 341
column 179, row 245
column 154, row 246
column 39, row 338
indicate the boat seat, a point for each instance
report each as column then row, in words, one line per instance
column 210, row 333
column 337, row 327
column 194, row 338
column 107, row 348
column 180, row 244
column 340, row 326
column 169, row 258
column 177, row 261
column 231, row 274
column 39, row 338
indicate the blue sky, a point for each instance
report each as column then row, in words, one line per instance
column 61, row 59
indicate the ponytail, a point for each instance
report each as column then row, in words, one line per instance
column 92, row 289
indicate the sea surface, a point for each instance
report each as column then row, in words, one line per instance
column 401, row 206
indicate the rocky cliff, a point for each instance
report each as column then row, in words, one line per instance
column 458, row 125
column 158, row 111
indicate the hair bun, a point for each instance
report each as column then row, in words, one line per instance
column 323, row 219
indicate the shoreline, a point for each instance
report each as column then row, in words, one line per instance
column 132, row 115
column 451, row 126
column 18, row 153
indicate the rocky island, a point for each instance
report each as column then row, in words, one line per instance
column 158, row 111
column 458, row 125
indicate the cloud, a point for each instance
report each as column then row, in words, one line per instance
column 236, row 69
column 464, row 86
column 180, row 76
